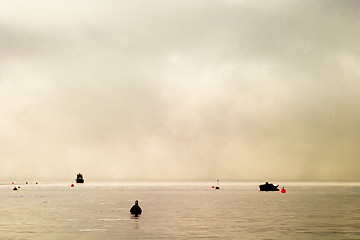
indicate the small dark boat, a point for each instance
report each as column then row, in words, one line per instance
column 268, row 187
column 79, row 178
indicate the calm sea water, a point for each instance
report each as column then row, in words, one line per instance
column 180, row 211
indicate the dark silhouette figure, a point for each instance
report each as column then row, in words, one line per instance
column 15, row 188
column 136, row 209
column 79, row 178
column 268, row 187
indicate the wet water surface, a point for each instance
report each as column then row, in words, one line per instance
column 180, row 211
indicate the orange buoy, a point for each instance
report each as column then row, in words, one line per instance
column 283, row 190
column 72, row 185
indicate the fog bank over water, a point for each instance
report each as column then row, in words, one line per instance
column 180, row 90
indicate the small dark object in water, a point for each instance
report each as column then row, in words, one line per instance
column 79, row 178
column 283, row 190
column 136, row 208
column 15, row 189
column 268, row 187
column 217, row 184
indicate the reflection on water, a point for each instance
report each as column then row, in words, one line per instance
column 180, row 211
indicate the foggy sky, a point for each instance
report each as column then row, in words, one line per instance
column 180, row 90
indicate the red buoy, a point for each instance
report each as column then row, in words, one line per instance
column 72, row 185
column 283, row 190
column 26, row 182
column 212, row 187
column 12, row 183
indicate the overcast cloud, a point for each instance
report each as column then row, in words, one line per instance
column 180, row 90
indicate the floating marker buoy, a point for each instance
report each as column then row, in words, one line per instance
column 12, row 183
column 283, row 190
column 212, row 187
column 136, row 209
column 217, row 184
column 26, row 182
column 72, row 185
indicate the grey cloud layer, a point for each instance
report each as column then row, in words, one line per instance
column 158, row 90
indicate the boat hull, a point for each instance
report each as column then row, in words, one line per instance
column 269, row 187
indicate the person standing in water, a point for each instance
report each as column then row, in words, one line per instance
column 136, row 209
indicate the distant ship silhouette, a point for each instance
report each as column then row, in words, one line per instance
column 79, row 178
column 268, row 187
